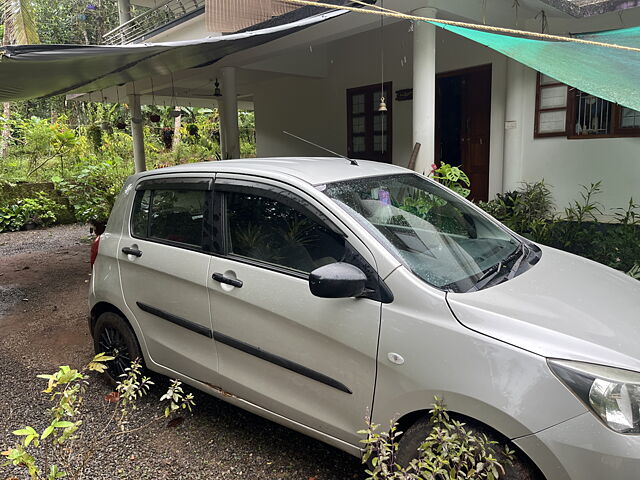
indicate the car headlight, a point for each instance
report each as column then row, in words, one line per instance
column 612, row 393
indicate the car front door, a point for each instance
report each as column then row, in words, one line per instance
column 311, row 360
column 164, row 252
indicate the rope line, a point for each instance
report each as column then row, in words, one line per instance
column 376, row 10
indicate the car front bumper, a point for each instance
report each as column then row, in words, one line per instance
column 583, row 448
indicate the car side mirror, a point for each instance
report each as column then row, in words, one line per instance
column 337, row 280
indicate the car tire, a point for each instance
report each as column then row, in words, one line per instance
column 521, row 467
column 113, row 336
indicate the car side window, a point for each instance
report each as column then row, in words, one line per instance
column 140, row 216
column 264, row 229
column 175, row 216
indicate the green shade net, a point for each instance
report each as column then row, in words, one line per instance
column 608, row 73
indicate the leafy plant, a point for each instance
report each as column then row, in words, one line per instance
column 453, row 178
column 527, row 210
column 40, row 211
column 451, row 450
column 530, row 212
column 60, row 450
column 421, row 203
column 92, row 192
column 635, row 271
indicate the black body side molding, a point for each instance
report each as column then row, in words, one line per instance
column 181, row 322
column 281, row 362
column 246, row 348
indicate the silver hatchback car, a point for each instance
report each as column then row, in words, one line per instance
column 313, row 291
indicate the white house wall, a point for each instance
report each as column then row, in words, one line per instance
column 567, row 164
column 317, row 108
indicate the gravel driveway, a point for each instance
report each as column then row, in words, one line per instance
column 43, row 310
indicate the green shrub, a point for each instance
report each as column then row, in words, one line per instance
column 62, row 449
column 40, row 211
column 450, row 451
column 93, row 190
column 529, row 211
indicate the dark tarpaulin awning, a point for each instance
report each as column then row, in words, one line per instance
column 34, row 71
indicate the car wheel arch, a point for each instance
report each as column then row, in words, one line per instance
column 409, row 419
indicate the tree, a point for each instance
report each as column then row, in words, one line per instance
column 74, row 21
column 19, row 29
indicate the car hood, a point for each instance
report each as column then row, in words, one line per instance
column 563, row 307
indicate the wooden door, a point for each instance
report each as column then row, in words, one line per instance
column 463, row 116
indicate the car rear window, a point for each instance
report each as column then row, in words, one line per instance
column 175, row 216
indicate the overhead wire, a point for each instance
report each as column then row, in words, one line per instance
column 376, row 10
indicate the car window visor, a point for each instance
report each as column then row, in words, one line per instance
column 205, row 184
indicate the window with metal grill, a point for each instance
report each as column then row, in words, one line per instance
column 565, row 111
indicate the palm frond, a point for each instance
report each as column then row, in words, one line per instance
column 19, row 23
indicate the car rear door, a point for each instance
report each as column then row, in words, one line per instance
column 164, row 255
column 311, row 360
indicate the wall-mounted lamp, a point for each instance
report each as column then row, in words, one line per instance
column 216, row 91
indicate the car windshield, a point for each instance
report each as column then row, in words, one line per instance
column 438, row 236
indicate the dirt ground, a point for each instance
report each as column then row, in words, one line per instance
column 44, row 279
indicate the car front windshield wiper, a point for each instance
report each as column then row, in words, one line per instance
column 494, row 272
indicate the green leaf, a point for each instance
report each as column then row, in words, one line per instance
column 25, row 431
column 23, row 27
column 47, row 431
column 64, row 424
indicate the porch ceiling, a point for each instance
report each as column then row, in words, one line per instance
column 587, row 8
column 191, row 88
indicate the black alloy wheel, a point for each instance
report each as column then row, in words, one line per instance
column 114, row 337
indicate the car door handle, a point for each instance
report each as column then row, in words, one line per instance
column 132, row 251
column 218, row 277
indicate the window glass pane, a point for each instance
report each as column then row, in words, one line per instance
column 553, row 97
column 379, row 143
column 178, row 215
column 630, row 118
column 593, row 115
column 270, row 231
column 442, row 240
column 358, row 125
column 140, row 216
column 546, row 79
column 380, row 122
column 358, row 144
column 357, row 103
column 552, row 122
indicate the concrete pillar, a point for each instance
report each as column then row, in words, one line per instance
column 124, row 11
column 231, row 142
column 424, row 88
column 514, row 128
column 223, row 132
column 137, row 133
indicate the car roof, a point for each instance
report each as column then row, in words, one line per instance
column 313, row 170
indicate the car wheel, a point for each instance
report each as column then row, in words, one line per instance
column 521, row 467
column 113, row 336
